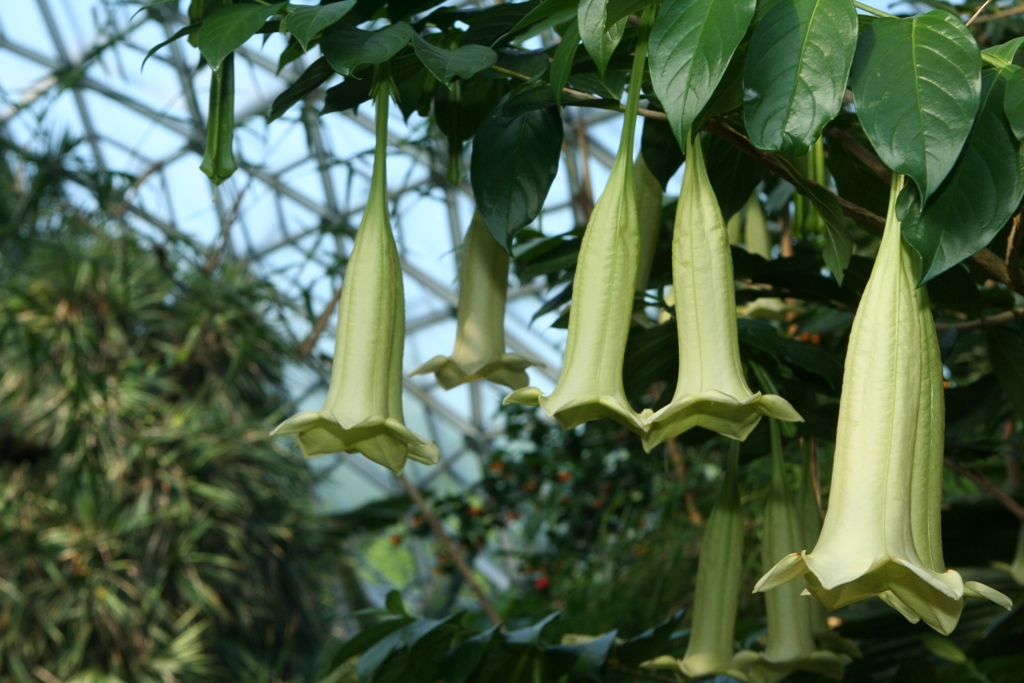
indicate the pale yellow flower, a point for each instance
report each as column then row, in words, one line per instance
column 711, row 391
column 880, row 536
column 480, row 334
column 363, row 409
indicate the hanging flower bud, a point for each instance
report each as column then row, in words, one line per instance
column 881, row 531
column 590, row 385
column 649, row 196
column 480, row 336
column 755, row 229
column 363, row 410
column 711, row 391
column 790, row 645
column 716, row 598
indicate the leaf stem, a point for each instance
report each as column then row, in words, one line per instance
column 873, row 10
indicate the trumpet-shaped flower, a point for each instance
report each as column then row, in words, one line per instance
column 590, row 385
column 790, row 646
column 711, row 391
column 363, row 409
column 880, row 535
column 719, row 569
column 480, row 335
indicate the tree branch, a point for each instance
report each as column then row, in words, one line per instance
column 446, row 541
column 988, row 486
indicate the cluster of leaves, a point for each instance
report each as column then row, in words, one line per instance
column 149, row 529
column 402, row 647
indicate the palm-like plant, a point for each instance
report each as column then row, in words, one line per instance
column 149, row 531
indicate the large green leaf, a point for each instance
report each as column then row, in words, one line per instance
column 561, row 63
column 464, row 62
column 916, row 84
column 599, row 38
column 514, row 162
column 796, row 73
column 1006, row 51
column 691, row 44
column 346, row 48
column 311, row 79
column 1006, row 350
column 733, row 174
column 1013, row 105
column 980, row 194
column 306, row 22
column 229, row 27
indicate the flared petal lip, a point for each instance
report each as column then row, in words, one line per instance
column 340, row 437
column 897, row 581
column 824, row 662
column 508, row 369
column 717, row 411
column 581, row 409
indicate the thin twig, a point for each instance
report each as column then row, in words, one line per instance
column 446, row 541
column 980, row 10
column 988, row 486
column 1013, row 246
column 1002, row 14
column 321, row 324
column 983, row 323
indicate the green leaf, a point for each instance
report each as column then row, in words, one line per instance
column 733, row 175
column 599, row 38
column 691, row 44
column 944, row 648
column 649, row 644
column 916, row 83
column 582, row 661
column 394, row 603
column 796, row 72
column 347, row 49
column 229, row 27
column 462, row 660
column 662, row 156
column 1013, row 105
column 186, row 31
column 366, row 638
column 311, row 79
column 838, row 244
column 530, row 635
column 979, row 196
column 1006, row 51
column 561, row 63
column 514, row 162
column 548, row 11
column 349, row 93
column 465, row 62
column 1006, row 350
column 306, row 22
